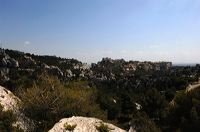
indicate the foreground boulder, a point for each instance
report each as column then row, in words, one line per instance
column 83, row 124
column 10, row 102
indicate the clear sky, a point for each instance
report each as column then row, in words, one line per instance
column 152, row 30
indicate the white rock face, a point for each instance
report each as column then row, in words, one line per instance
column 83, row 124
column 10, row 102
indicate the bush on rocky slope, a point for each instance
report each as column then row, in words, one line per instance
column 49, row 100
column 184, row 114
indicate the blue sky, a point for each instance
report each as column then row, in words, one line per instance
column 152, row 30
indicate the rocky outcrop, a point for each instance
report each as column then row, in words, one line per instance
column 82, row 124
column 109, row 69
column 44, row 66
column 7, row 61
column 29, row 62
column 54, row 70
column 69, row 74
column 10, row 102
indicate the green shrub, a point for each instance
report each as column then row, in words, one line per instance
column 184, row 115
column 103, row 128
column 142, row 123
column 69, row 127
column 49, row 100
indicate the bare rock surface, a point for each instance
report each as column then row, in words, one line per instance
column 82, row 124
column 193, row 86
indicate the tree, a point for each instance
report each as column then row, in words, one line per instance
column 153, row 103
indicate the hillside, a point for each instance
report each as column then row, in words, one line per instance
column 128, row 94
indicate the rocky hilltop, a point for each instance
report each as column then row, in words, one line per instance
column 107, row 69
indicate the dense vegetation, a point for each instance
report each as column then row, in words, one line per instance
column 49, row 100
column 163, row 103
